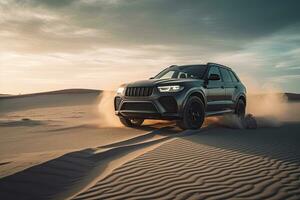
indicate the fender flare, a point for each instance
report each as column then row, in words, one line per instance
column 195, row 92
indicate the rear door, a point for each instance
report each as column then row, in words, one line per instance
column 237, row 86
column 215, row 91
column 230, row 88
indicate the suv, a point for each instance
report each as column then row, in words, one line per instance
column 186, row 93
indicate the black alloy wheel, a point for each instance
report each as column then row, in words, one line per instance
column 193, row 114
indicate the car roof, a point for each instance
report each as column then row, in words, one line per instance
column 207, row 64
column 187, row 65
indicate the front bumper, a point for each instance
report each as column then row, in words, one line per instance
column 156, row 106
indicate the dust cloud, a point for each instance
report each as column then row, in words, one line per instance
column 267, row 104
column 265, row 100
column 107, row 118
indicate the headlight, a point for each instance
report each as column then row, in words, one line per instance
column 170, row 88
column 120, row 90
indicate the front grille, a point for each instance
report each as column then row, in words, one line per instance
column 138, row 106
column 138, row 91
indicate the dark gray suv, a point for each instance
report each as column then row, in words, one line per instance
column 186, row 93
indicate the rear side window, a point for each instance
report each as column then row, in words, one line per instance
column 225, row 74
column 233, row 77
column 214, row 70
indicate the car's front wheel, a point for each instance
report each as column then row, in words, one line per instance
column 193, row 114
column 131, row 122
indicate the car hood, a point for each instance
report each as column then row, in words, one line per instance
column 157, row 82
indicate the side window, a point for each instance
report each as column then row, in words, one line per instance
column 225, row 75
column 214, row 70
column 182, row 75
column 233, row 77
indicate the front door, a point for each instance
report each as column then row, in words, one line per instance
column 215, row 92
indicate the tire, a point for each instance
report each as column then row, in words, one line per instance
column 250, row 122
column 131, row 122
column 240, row 109
column 193, row 114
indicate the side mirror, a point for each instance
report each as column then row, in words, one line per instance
column 214, row 77
column 151, row 78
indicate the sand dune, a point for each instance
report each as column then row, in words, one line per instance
column 212, row 163
column 65, row 175
column 215, row 164
column 58, row 145
column 58, row 98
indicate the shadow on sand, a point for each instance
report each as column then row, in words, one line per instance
column 64, row 176
column 61, row 177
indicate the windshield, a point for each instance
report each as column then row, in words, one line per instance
column 179, row 72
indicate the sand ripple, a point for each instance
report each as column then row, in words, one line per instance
column 199, row 171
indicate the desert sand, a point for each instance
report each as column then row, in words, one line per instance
column 68, row 145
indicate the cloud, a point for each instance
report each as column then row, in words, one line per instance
column 128, row 22
column 89, row 38
column 285, row 78
column 190, row 21
column 218, row 25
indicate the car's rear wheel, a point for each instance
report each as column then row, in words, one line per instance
column 193, row 114
column 131, row 122
column 240, row 109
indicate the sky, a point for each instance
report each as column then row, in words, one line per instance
column 100, row 44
